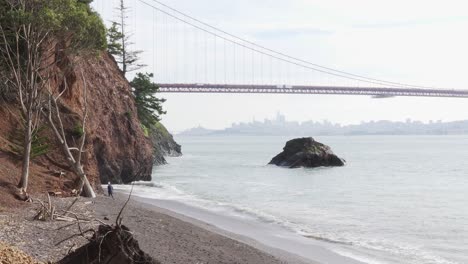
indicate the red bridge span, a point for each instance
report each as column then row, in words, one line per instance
column 376, row 92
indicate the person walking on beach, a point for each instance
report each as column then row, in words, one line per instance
column 110, row 190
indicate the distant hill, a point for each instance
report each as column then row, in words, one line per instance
column 197, row 131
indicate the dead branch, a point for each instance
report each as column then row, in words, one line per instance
column 64, row 226
column 118, row 220
column 64, row 218
column 82, row 234
column 79, row 227
column 71, row 248
column 85, row 116
column 71, row 205
column 100, row 244
column 45, row 213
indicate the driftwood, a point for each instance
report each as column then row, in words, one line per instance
column 45, row 213
column 48, row 212
column 71, row 205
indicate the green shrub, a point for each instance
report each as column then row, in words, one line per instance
column 145, row 130
column 162, row 129
column 78, row 130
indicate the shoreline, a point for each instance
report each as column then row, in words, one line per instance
column 286, row 246
column 169, row 231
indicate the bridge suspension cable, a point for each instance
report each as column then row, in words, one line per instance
column 259, row 51
column 277, row 54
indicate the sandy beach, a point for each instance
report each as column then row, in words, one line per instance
column 160, row 233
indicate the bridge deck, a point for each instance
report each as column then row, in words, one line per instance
column 331, row 90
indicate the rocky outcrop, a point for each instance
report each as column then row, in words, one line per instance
column 306, row 152
column 163, row 143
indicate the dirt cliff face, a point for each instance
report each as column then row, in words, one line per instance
column 116, row 147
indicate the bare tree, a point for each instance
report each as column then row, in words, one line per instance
column 52, row 113
column 21, row 49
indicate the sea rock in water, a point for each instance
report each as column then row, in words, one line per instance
column 306, row 152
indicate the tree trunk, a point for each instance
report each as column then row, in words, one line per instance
column 23, row 184
column 124, row 42
column 85, row 187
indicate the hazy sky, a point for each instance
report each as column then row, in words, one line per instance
column 418, row 42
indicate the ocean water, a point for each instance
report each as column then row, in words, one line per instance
column 399, row 199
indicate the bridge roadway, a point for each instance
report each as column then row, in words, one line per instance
column 376, row 92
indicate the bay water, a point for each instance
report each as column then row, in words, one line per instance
column 399, row 199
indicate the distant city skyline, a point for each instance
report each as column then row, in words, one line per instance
column 280, row 125
column 280, row 117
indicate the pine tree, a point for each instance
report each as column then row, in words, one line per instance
column 119, row 43
column 149, row 107
column 114, row 36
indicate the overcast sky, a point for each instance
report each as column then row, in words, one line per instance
column 417, row 42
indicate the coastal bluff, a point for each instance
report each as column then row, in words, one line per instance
column 308, row 153
column 117, row 149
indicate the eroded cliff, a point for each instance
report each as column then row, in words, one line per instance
column 116, row 147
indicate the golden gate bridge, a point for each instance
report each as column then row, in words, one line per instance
column 188, row 55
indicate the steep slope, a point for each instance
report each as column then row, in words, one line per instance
column 116, row 148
